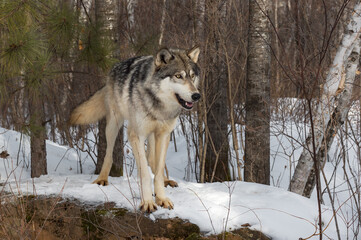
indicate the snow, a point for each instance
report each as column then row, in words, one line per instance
column 214, row 207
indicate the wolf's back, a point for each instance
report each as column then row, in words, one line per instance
column 91, row 110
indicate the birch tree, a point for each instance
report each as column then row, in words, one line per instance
column 257, row 142
column 162, row 23
column 332, row 107
column 131, row 5
column 338, row 115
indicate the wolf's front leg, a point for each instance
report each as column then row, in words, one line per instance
column 161, row 146
column 137, row 143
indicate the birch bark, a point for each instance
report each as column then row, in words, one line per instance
column 338, row 116
column 162, row 23
column 335, row 82
column 131, row 4
column 257, row 137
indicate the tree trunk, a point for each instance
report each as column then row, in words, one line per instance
column 117, row 166
column 338, row 116
column 335, row 83
column 131, row 4
column 216, row 159
column 162, row 23
column 198, row 33
column 37, row 138
column 257, row 143
column 107, row 13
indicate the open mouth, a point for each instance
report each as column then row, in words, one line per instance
column 183, row 103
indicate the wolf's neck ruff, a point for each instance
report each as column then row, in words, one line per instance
column 162, row 85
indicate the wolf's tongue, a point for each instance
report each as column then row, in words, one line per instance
column 189, row 104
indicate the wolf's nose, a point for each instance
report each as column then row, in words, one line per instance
column 196, row 96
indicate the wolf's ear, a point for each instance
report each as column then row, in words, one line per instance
column 194, row 53
column 163, row 57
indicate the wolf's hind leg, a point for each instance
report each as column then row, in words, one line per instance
column 111, row 132
column 152, row 161
column 168, row 182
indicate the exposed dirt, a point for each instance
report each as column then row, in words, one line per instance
column 54, row 218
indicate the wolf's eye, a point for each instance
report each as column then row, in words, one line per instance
column 192, row 75
column 178, row 76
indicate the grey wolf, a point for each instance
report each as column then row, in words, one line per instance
column 149, row 92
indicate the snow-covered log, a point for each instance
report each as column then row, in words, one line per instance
column 334, row 96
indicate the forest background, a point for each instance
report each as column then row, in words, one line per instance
column 55, row 54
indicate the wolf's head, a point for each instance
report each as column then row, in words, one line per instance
column 179, row 74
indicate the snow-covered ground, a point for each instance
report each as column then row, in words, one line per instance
column 214, row 207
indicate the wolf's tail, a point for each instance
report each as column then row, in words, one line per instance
column 91, row 110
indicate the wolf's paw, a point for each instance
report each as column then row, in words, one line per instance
column 102, row 182
column 170, row 183
column 164, row 202
column 148, row 206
